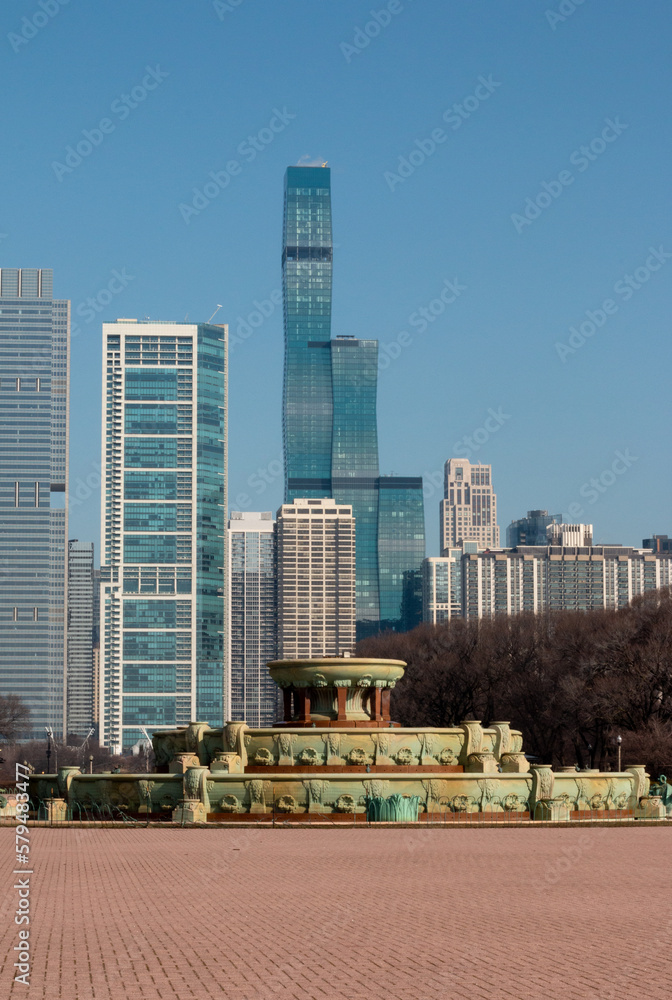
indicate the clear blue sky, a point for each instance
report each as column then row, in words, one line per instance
column 550, row 89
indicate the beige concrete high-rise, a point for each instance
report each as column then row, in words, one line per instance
column 468, row 512
column 316, row 579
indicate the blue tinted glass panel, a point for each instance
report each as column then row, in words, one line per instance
column 150, row 549
column 150, row 486
column 143, row 383
column 150, row 453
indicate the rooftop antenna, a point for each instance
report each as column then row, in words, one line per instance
column 215, row 312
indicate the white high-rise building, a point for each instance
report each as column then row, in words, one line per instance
column 481, row 584
column 316, row 579
column 569, row 534
column 163, row 574
column 468, row 512
column 254, row 617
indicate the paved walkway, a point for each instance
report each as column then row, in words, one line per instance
column 344, row 914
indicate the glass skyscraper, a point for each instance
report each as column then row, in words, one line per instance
column 163, row 573
column 254, row 617
column 34, row 351
column 329, row 417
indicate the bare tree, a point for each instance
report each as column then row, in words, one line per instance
column 14, row 717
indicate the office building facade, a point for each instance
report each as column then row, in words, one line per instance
column 34, row 396
column 468, row 511
column 569, row 534
column 163, row 553
column 531, row 530
column 539, row 578
column 658, row 543
column 253, row 631
column 316, row 579
column 81, row 636
column 329, row 417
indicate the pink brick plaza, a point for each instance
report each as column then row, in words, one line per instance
column 395, row 914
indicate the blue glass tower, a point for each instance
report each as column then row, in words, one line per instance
column 329, row 417
column 34, row 334
column 163, row 557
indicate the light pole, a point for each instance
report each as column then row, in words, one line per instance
column 90, row 763
column 619, row 740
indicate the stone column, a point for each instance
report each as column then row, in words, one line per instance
column 195, row 804
column 543, row 805
column 502, row 738
column 65, row 779
column 473, row 739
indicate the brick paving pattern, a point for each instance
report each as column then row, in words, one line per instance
column 395, row 914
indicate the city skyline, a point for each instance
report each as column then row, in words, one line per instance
column 330, row 425
column 434, row 269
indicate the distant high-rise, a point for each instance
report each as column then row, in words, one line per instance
column 569, row 534
column 254, row 617
column 468, row 511
column 163, row 572
column 475, row 583
column 316, row 579
column 531, row 530
column 442, row 587
column 81, row 629
column 34, row 357
column 329, row 417
column 659, row 543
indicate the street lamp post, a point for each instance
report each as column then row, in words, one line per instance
column 90, row 763
column 619, row 740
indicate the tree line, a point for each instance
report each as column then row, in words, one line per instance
column 573, row 682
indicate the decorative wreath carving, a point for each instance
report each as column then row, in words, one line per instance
column 263, row 756
column 459, row 803
column 404, row 756
column 512, row 802
column 309, row 755
column 229, row 804
column 286, row 804
column 358, row 755
column 447, row 756
column 345, row 804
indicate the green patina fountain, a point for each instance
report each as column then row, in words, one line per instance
column 337, row 753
